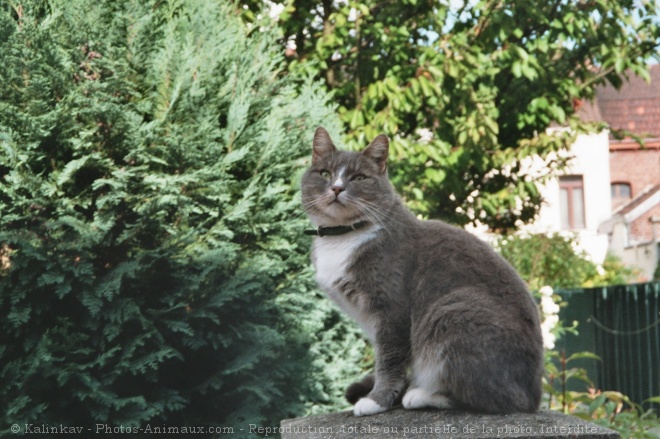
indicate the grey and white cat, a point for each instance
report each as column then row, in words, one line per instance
column 452, row 324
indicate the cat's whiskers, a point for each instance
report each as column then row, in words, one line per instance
column 319, row 205
column 373, row 214
column 375, row 220
column 370, row 213
column 310, row 208
column 299, row 214
column 383, row 214
column 313, row 205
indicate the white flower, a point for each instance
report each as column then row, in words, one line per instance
column 550, row 321
column 275, row 9
column 549, row 340
column 550, row 311
column 425, row 135
column 548, row 306
column 546, row 291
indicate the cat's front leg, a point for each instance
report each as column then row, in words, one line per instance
column 392, row 348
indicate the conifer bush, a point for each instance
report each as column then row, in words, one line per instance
column 152, row 266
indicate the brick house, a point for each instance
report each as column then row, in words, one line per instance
column 634, row 229
column 609, row 197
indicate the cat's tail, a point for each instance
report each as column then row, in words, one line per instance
column 360, row 389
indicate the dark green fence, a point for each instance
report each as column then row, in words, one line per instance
column 621, row 324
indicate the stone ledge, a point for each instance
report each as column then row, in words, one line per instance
column 443, row 424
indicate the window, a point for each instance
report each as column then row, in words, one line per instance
column 621, row 191
column 571, row 197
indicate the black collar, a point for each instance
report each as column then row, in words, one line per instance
column 334, row 231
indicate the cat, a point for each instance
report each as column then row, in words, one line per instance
column 434, row 300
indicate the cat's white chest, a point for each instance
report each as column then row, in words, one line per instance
column 332, row 256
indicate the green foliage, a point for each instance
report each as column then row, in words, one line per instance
column 555, row 260
column 607, row 408
column 613, row 272
column 546, row 260
column 152, row 267
column 486, row 79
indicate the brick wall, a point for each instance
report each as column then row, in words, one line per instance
column 640, row 168
column 641, row 230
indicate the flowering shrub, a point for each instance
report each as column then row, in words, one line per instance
column 550, row 315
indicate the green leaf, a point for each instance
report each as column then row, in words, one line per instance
column 597, row 403
column 516, row 69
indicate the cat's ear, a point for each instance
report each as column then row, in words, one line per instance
column 322, row 145
column 377, row 152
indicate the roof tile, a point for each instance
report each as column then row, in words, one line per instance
column 634, row 107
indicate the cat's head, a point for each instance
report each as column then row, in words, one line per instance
column 343, row 187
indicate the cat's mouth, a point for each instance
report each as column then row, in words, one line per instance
column 335, row 199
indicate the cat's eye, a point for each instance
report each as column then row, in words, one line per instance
column 359, row 177
column 325, row 174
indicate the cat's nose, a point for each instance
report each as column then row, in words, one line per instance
column 337, row 189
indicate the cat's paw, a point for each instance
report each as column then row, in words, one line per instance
column 418, row 398
column 366, row 407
